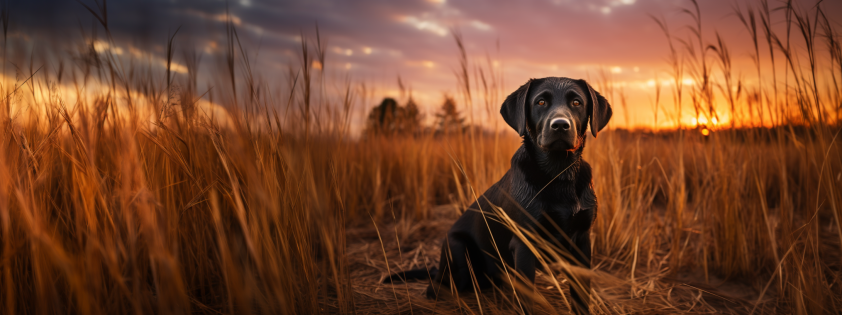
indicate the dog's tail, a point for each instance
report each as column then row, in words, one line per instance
column 414, row 274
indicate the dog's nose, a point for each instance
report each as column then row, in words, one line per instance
column 560, row 124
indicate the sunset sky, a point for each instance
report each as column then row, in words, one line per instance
column 377, row 41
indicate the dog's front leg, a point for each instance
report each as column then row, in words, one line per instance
column 580, row 288
column 453, row 267
column 524, row 265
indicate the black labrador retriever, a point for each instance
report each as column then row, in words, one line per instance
column 548, row 190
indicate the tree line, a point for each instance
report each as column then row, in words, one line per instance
column 390, row 119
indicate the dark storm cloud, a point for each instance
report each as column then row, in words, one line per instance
column 59, row 20
column 408, row 29
column 357, row 27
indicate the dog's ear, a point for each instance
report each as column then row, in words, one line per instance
column 598, row 109
column 514, row 109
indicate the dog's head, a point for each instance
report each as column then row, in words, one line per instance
column 554, row 112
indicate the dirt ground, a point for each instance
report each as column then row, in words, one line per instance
column 613, row 289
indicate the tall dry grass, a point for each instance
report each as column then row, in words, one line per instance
column 141, row 196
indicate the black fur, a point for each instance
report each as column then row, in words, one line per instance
column 567, row 202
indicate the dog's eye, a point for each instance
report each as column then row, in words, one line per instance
column 541, row 102
column 576, row 103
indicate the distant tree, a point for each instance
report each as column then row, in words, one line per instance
column 412, row 118
column 389, row 118
column 448, row 119
column 382, row 118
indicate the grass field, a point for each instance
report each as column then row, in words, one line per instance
column 139, row 195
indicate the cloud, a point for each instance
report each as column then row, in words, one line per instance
column 378, row 40
column 426, row 25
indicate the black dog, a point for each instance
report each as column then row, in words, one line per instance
column 548, row 190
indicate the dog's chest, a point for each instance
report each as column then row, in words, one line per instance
column 557, row 203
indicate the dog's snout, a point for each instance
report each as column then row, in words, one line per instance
column 560, row 124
